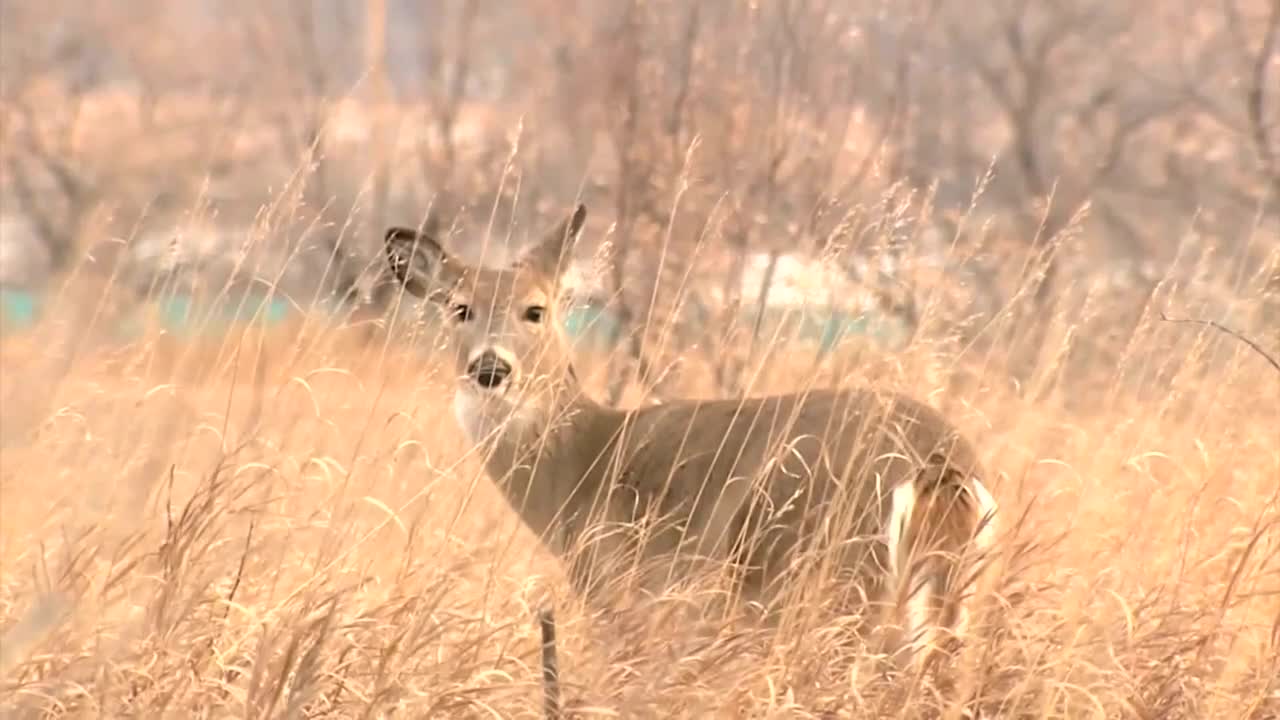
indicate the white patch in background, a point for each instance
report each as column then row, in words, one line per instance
column 584, row 278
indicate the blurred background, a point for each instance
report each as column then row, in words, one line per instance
column 841, row 164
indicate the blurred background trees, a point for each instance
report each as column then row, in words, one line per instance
column 952, row 163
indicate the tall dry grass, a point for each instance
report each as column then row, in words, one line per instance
column 286, row 523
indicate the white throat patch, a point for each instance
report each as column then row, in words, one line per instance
column 485, row 417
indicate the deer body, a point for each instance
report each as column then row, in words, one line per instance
column 877, row 488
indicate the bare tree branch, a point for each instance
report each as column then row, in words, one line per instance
column 1256, row 100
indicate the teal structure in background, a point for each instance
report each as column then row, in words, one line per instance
column 831, row 327
column 19, row 310
column 185, row 316
column 179, row 314
column 587, row 323
column 592, row 323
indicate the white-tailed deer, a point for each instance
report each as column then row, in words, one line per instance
column 874, row 489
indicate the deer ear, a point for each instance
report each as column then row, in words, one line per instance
column 551, row 255
column 418, row 262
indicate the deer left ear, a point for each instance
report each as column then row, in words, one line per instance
column 551, row 256
column 419, row 263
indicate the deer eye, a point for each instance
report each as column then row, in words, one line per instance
column 534, row 313
column 460, row 312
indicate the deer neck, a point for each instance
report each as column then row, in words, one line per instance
column 542, row 455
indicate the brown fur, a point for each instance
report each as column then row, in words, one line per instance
column 768, row 486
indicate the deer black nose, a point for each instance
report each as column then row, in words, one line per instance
column 489, row 370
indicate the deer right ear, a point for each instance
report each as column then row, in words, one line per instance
column 418, row 262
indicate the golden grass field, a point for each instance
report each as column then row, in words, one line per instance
column 289, row 525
